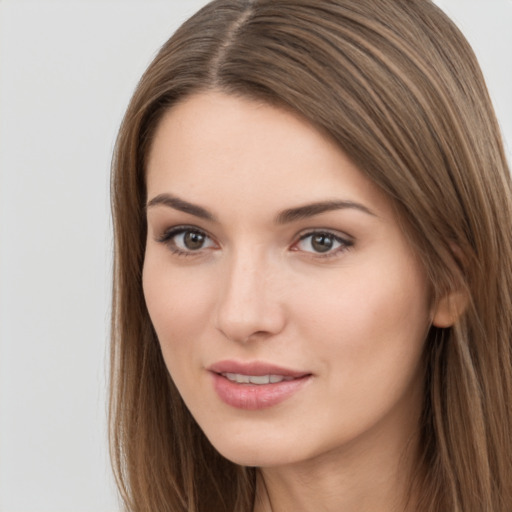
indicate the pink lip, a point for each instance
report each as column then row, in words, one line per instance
column 255, row 396
column 254, row 368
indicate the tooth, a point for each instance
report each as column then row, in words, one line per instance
column 240, row 378
column 260, row 379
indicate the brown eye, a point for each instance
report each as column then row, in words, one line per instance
column 322, row 242
column 193, row 240
column 185, row 241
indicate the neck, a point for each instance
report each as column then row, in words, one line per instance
column 352, row 479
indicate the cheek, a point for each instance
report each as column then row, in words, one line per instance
column 179, row 303
column 372, row 318
column 367, row 337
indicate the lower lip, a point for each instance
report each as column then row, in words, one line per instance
column 256, row 396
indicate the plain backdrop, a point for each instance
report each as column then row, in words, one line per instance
column 67, row 70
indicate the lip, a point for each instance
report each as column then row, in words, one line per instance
column 255, row 396
column 257, row 368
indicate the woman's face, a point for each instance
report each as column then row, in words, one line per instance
column 290, row 308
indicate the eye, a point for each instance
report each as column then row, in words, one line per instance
column 185, row 240
column 322, row 243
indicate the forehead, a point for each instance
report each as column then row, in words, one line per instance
column 227, row 151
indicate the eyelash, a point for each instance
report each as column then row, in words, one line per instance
column 170, row 234
column 168, row 238
column 344, row 243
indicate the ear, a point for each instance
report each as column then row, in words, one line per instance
column 449, row 309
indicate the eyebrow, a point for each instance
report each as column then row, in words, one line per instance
column 182, row 206
column 285, row 217
column 310, row 210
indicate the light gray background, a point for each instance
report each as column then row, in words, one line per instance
column 67, row 70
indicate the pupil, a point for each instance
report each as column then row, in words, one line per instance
column 322, row 243
column 193, row 240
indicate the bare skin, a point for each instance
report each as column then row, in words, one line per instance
column 364, row 482
column 268, row 249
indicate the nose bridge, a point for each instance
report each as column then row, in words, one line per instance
column 248, row 300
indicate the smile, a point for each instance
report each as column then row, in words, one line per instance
column 255, row 385
column 255, row 379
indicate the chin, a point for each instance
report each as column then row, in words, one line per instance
column 255, row 452
column 257, row 457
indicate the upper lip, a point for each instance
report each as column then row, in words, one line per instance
column 255, row 368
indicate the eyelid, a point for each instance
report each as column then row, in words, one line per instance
column 168, row 234
column 345, row 241
column 339, row 235
column 174, row 230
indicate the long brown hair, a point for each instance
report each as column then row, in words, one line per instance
column 397, row 86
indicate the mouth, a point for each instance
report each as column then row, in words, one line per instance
column 258, row 380
column 257, row 385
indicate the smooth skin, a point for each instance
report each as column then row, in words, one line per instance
column 231, row 274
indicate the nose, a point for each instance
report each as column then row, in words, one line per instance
column 250, row 302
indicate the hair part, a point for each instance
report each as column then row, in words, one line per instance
column 397, row 87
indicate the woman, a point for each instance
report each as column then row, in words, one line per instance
column 313, row 270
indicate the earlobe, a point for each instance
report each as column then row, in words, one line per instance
column 449, row 309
